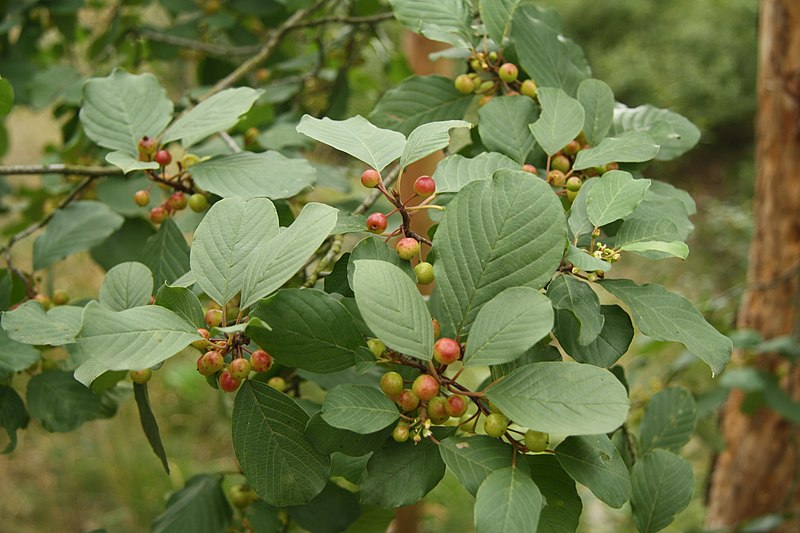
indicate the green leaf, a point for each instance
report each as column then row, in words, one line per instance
column 562, row 398
column 6, row 97
column 562, row 512
column 472, row 459
column 633, row 147
column 507, row 326
column 358, row 408
column 637, row 234
column 454, row 172
column 356, row 136
column 569, row 294
column 504, row 126
column 449, row 19
column 674, row 248
column 29, row 324
column 125, row 244
column 127, row 285
column 280, row 463
column 374, row 247
column 579, row 223
column 74, row 228
column 545, row 55
column 128, row 163
column 62, row 404
column 182, row 302
column 310, row 330
column 328, row 439
column 120, row 109
column 13, row 416
column 542, row 351
column 393, row 308
column 263, row 517
column 247, row 175
column 607, row 348
column 594, row 461
column 401, row 474
column 663, row 485
column 666, row 316
column 615, row 195
column 129, row 340
column 166, row 253
column 496, row 16
column 15, row 356
column 584, row 260
column 284, row 255
column 200, row 506
column 331, row 511
column 227, row 241
column 219, row 113
column 561, row 119
column 149, row 424
column 509, row 501
column 672, row 132
column 428, row 138
column 669, row 420
column 419, row 100
column 597, row 100
column 507, row 232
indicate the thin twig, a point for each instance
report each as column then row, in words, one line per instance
column 59, row 168
column 230, row 142
column 370, row 19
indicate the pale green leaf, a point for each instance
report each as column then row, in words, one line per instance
column 614, row 196
column 358, row 408
column 428, row 138
column 496, row 16
column 504, row 126
column 597, row 100
column 200, row 506
column 672, row 132
column 663, row 486
column 182, row 302
column 594, row 461
column 560, row 122
column 584, row 260
column 15, row 356
column 356, row 136
column 633, row 147
column 569, row 294
column 125, row 286
column 445, row 20
column 128, row 163
column 29, row 324
column 331, row 511
column 674, row 248
column 669, row 420
column 562, row 398
column 472, row 459
column 393, row 308
column 579, row 223
column 635, row 230
column 454, row 172
column 508, row 501
column 507, row 326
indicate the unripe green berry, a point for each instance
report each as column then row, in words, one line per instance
column 560, row 162
column 141, row 376
column 392, row 384
column 189, row 160
column 407, row 248
column 556, row 178
column 142, row 198
column 370, row 178
column 492, row 56
column 241, row 497
column 407, row 400
column 424, row 273
column 572, row 148
column 528, row 88
column 495, row 425
column 214, row 317
column 400, row 433
column 571, row 195
column 508, row 72
column 574, row 183
column 277, row 383
column 60, row 297
column 240, row 368
column 437, row 410
column 464, row 84
column 376, row 346
column 425, row 387
column 536, row 441
column 486, row 87
column 198, row 202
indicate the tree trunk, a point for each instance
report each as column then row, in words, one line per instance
column 759, row 471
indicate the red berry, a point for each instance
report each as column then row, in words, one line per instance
column 228, row 382
column 240, row 368
column 142, row 198
column 529, row 168
column 407, row 400
column 424, row 186
column 572, row 148
column 158, row 215
column 370, row 178
column 214, row 317
column 210, row 363
column 456, row 405
column 392, row 384
column 178, row 201
column 376, row 223
column 437, row 328
column 260, row 361
column 425, row 387
column 508, row 72
column 407, row 248
column 163, row 158
column 446, row 351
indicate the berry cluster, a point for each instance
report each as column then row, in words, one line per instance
column 489, row 75
column 561, row 174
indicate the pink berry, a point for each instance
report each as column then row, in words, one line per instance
column 407, row 400
column 407, row 248
column 240, row 368
column 210, row 363
column 456, row 405
column 260, row 361
column 424, row 186
column 370, row 178
column 425, row 387
column 163, row 158
column 376, row 223
column 446, row 351
column 228, row 383
column 158, row 215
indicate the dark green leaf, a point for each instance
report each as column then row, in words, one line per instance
column 62, row 404
column 607, row 348
column 328, row 439
column 200, row 507
column 672, row 132
column 15, row 356
column 13, row 416
column 597, row 100
column 594, row 461
column 504, row 126
column 663, row 485
column 149, row 424
column 330, row 512
column 561, row 119
column 509, row 501
column 183, row 303
column 456, row 171
column 669, row 420
column 576, row 297
column 563, row 508
column 473, row 459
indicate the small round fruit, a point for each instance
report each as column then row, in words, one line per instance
column 437, row 328
column 560, row 162
column 392, row 384
column 277, row 383
column 158, row 215
column 214, row 317
column 556, row 178
column 424, row 186
column 60, row 297
column 492, row 56
column 240, row 368
column 44, row 300
column 572, row 148
column 376, row 346
column 262, row 75
column 370, row 178
column 141, row 376
column 177, row 201
column 425, row 387
column 486, row 87
column 424, row 273
column 574, row 183
column 437, row 410
column 529, row 168
column 198, row 202
column 407, row 248
column 376, row 223
column 163, row 158
column 464, row 84
column 142, row 198
column 495, row 424
column 189, row 160
column 210, row 363
column 228, row 383
column 508, row 72
column 571, row 195
column 446, row 351
column 250, row 136
column 528, row 88
column 240, row 497
column 612, row 166
column 202, row 344
column 147, row 147
column 485, row 99
column 260, row 361
column 407, row 400
column 456, row 405
column 400, row 433
column 536, row 441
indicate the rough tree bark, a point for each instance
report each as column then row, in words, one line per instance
column 759, row 471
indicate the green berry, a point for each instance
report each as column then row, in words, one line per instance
column 241, row 497
column 147, row 147
column 560, row 162
column 198, row 202
column 189, row 160
column 495, row 425
column 392, row 384
column 574, row 184
column 277, row 383
column 142, row 198
column 528, row 88
column 407, row 248
column 536, row 441
column 400, row 432
column 571, row 195
column 60, row 297
column 407, row 400
column 240, row 368
column 141, row 376
column 486, row 87
column 508, row 72
column 214, row 317
column 424, row 273
column 437, row 410
column 464, row 84
column 376, row 346
column 556, row 178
